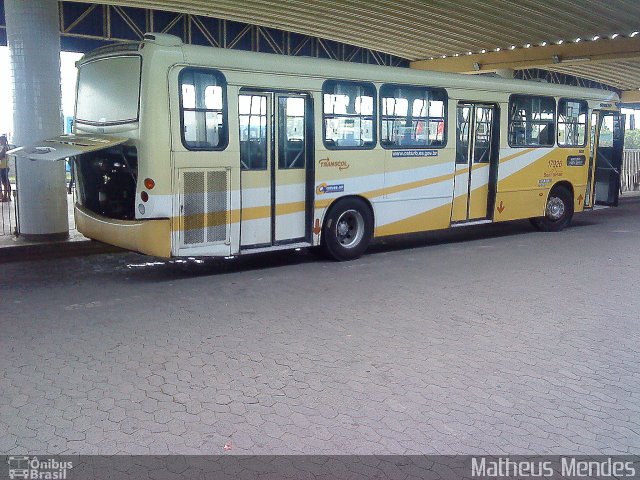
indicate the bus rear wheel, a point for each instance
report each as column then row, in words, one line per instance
column 347, row 230
column 558, row 212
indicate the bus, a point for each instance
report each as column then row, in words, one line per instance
column 183, row 150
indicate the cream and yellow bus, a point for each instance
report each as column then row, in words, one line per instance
column 184, row 150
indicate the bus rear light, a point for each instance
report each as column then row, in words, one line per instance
column 149, row 183
column 144, row 196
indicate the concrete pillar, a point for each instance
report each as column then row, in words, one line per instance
column 34, row 43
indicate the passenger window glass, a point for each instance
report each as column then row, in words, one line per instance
column 463, row 130
column 482, row 139
column 252, row 118
column 291, row 142
column 572, row 123
column 202, row 107
column 606, row 131
column 348, row 114
column 295, row 118
column 421, row 126
column 531, row 121
column 189, row 126
column 188, row 96
column 213, row 97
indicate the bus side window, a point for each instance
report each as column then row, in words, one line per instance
column 349, row 113
column 572, row 123
column 531, row 121
column 203, row 109
column 412, row 116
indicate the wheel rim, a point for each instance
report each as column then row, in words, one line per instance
column 555, row 208
column 350, row 228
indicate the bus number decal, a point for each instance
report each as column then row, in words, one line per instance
column 555, row 163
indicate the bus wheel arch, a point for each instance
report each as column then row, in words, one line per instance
column 347, row 228
column 559, row 208
column 563, row 184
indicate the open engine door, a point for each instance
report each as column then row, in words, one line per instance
column 65, row 146
column 610, row 143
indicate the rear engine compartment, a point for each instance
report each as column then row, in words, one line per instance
column 106, row 181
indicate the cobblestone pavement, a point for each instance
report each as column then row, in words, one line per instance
column 497, row 340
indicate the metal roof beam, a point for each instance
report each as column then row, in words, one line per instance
column 580, row 53
column 630, row 96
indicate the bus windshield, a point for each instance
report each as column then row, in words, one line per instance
column 109, row 91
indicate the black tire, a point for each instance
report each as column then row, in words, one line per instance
column 347, row 229
column 558, row 211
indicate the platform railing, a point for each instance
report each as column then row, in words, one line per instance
column 9, row 213
column 630, row 175
column 9, row 225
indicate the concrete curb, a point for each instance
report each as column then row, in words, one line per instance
column 43, row 251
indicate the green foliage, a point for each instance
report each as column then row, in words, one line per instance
column 632, row 139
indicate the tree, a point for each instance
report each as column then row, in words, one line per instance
column 632, row 139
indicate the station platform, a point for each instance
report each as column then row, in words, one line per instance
column 16, row 248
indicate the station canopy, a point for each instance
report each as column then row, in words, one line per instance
column 592, row 39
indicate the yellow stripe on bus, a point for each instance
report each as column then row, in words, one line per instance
column 409, row 224
column 214, row 219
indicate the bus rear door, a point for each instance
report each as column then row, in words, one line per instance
column 608, row 146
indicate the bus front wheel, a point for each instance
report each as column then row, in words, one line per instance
column 558, row 211
column 347, row 229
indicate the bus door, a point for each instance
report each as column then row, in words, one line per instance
column 477, row 139
column 275, row 150
column 608, row 147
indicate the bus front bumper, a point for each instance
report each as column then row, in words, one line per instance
column 151, row 237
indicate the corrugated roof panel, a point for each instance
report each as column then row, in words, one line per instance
column 415, row 29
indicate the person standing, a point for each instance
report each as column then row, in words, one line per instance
column 5, row 185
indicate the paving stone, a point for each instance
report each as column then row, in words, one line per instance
column 432, row 345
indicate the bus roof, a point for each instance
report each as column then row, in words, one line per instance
column 266, row 63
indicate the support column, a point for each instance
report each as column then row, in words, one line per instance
column 34, row 43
